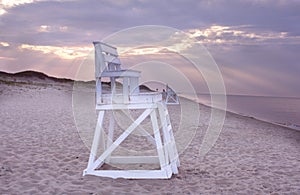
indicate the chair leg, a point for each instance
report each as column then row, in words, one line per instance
column 168, row 137
column 110, row 133
column 97, row 136
column 158, row 141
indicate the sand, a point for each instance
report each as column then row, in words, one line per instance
column 42, row 153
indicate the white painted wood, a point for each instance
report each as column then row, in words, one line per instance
column 165, row 173
column 109, row 49
column 96, row 139
column 121, row 73
column 98, row 90
column 173, row 144
column 171, row 96
column 166, row 136
column 99, row 60
column 122, row 137
column 125, row 106
column 133, row 99
column 125, row 90
column 113, row 86
column 157, row 137
column 170, row 141
column 110, row 133
column 112, row 59
column 107, row 64
column 134, row 86
column 134, row 160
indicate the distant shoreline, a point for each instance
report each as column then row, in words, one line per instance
column 289, row 126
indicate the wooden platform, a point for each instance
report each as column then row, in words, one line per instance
column 141, row 98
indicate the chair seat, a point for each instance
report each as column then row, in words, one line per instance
column 141, row 98
column 121, row 73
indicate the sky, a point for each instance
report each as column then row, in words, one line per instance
column 255, row 43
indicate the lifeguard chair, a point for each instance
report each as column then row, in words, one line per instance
column 170, row 96
column 108, row 65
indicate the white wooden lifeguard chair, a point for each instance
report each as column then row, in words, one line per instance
column 108, row 65
column 170, row 96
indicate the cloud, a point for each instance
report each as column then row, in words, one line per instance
column 2, row 11
column 7, row 4
column 217, row 34
column 82, row 21
column 242, row 35
column 14, row 3
column 62, row 52
column 48, row 28
column 6, row 58
column 4, row 44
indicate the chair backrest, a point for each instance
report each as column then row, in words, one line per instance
column 106, row 58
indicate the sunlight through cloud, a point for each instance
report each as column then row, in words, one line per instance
column 2, row 11
column 67, row 53
column 4, row 44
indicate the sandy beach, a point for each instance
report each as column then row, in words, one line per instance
column 42, row 152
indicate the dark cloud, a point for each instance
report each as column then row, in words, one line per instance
column 104, row 17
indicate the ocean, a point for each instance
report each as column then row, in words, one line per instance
column 280, row 110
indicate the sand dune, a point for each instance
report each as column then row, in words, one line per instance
column 42, row 152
